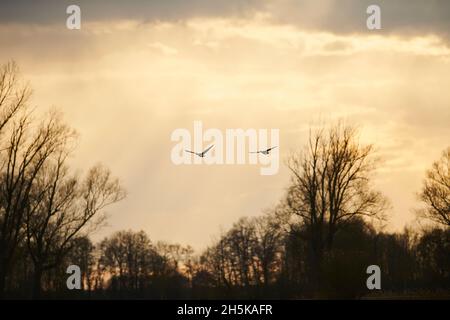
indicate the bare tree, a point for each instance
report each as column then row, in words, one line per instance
column 14, row 96
column 64, row 209
column 214, row 261
column 331, row 185
column 436, row 190
column 25, row 155
column 83, row 255
column 247, row 255
column 131, row 259
column 179, row 258
column 241, row 241
column 269, row 235
column 42, row 206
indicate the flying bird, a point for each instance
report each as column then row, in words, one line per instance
column 267, row 151
column 201, row 154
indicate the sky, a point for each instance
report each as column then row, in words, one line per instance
column 138, row 70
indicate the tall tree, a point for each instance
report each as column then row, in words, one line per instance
column 25, row 149
column 13, row 101
column 436, row 190
column 42, row 207
column 331, row 185
column 269, row 235
column 130, row 258
column 63, row 209
column 83, row 255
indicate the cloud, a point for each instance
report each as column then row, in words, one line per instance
column 164, row 49
column 338, row 16
column 349, row 16
column 53, row 11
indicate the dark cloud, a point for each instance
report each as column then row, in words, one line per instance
column 348, row 16
column 338, row 16
column 50, row 11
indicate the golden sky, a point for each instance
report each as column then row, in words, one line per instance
column 125, row 83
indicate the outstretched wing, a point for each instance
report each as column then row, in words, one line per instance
column 209, row 148
column 190, row 151
column 271, row 148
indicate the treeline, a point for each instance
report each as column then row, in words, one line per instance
column 256, row 258
column 317, row 242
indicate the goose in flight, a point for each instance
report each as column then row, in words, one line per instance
column 201, row 154
column 266, row 152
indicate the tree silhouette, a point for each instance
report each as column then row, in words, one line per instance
column 62, row 210
column 24, row 152
column 330, row 186
column 436, row 190
column 43, row 208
